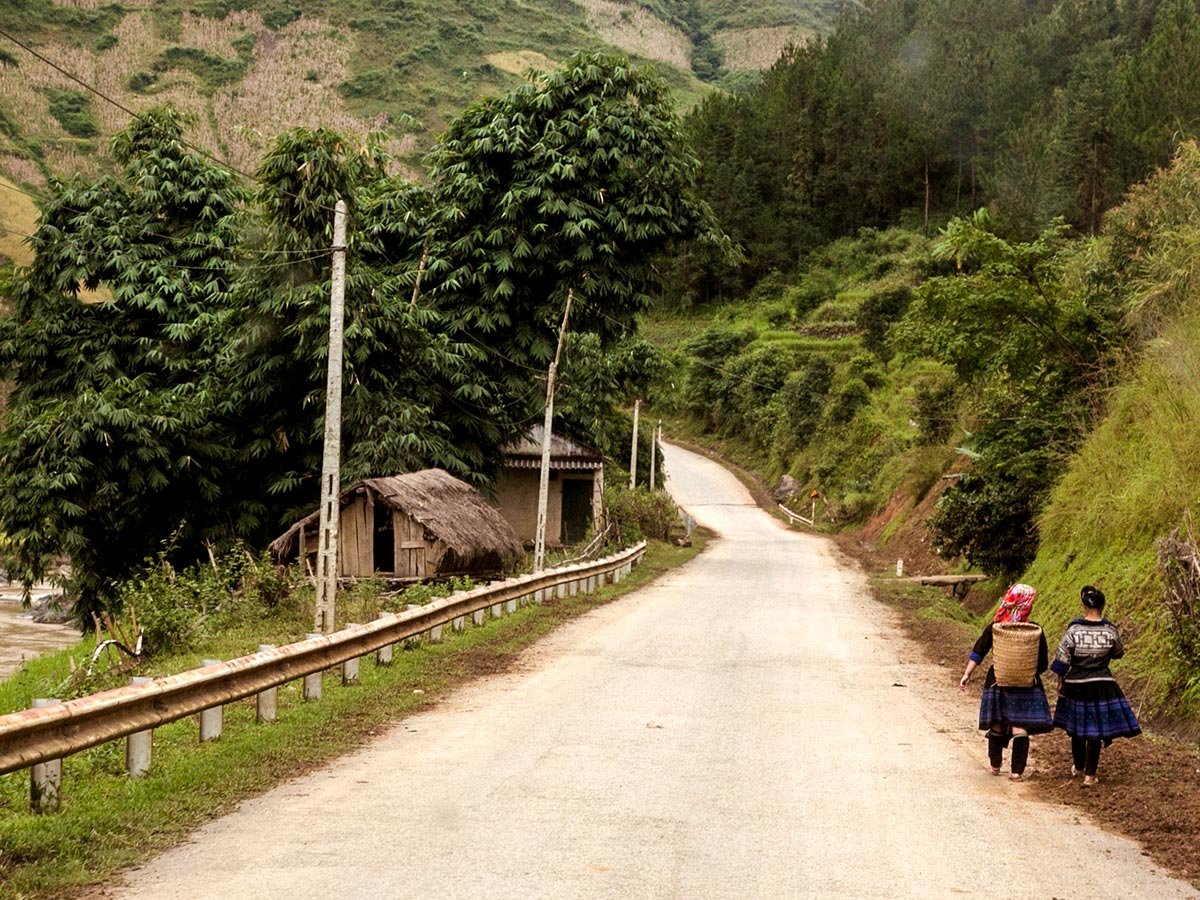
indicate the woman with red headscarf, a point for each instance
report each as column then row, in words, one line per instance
column 1010, row 714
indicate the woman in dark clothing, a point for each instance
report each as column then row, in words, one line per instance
column 1091, row 707
column 1010, row 714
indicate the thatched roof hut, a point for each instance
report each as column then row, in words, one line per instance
column 409, row 526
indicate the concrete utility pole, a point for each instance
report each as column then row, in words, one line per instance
column 331, row 464
column 637, row 408
column 655, row 437
column 539, row 541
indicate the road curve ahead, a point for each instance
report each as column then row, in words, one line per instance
column 750, row 726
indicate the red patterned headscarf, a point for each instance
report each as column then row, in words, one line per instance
column 1016, row 604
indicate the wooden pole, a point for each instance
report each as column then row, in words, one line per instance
column 327, row 548
column 539, row 542
column 637, row 408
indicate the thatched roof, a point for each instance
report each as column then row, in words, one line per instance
column 452, row 510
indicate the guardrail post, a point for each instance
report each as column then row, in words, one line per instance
column 497, row 610
column 45, row 779
column 312, row 681
column 435, row 634
column 383, row 655
column 477, row 617
column 350, row 666
column 213, row 718
column 511, row 605
column 139, row 747
column 266, row 703
column 459, row 623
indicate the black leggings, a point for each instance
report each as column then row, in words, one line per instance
column 1085, row 752
column 997, row 741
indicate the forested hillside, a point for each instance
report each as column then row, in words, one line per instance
column 963, row 313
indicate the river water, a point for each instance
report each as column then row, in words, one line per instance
column 21, row 638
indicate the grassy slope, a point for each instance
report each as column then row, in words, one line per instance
column 18, row 217
column 1130, row 485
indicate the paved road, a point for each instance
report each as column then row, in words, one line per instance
column 750, row 726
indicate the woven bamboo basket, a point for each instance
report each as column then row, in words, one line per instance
column 1015, row 653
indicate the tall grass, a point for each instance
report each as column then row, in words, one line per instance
column 1129, row 485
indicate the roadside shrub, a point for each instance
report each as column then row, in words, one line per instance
column 798, row 405
column 641, row 513
column 175, row 609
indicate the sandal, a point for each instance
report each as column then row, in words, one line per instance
column 1089, row 780
column 1015, row 777
column 992, row 770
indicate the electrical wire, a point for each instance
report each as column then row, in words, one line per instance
column 129, row 112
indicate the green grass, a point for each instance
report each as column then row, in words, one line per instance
column 1133, row 481
column 109, row 821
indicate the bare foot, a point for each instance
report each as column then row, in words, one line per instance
column 1089, row 780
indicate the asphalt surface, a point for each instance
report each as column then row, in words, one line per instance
column 750, row 726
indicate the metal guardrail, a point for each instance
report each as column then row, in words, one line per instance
column 46, row 733
column 796, row 517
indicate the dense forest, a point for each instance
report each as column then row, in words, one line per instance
column 916, row 110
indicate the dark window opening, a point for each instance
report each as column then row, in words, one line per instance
column 385, row 541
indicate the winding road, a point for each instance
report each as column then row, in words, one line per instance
column 751, row 725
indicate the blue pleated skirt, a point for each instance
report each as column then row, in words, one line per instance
column 1007, row 707
column 1095, row 709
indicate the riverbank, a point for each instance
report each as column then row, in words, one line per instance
column 21, row 638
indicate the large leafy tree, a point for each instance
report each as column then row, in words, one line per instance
column 574, row 182
column 109, row 442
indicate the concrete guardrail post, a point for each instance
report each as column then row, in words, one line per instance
column 45, row 779
column 139, row 747
column 511, row 606
column 312, row 681
column 212, row 719
column 266, row 702
column 477, row 617
column 350, row 667
column 383, row 656
column 497, row 610
column 435, row 634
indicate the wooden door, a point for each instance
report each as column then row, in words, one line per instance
column 410, row 547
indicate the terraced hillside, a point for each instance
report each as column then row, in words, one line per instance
column 246, row 71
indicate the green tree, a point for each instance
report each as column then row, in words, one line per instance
column 110, row 442
column 575, row 182
column 415, row 394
